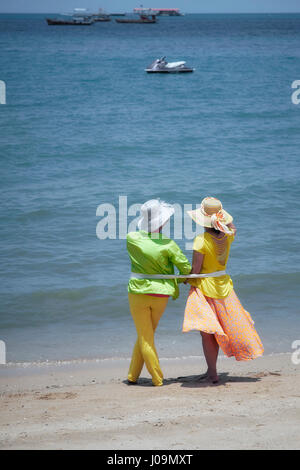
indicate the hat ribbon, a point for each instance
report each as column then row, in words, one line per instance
column 217, row 220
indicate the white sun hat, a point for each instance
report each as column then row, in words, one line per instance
column 155, row 214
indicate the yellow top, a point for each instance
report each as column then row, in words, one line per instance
column 216, row 252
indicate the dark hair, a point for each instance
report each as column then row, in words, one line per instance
column 217, row 232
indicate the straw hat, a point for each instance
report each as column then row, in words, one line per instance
column 210, row 214
column 155, row 214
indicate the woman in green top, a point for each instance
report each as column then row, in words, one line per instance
column 151, row 252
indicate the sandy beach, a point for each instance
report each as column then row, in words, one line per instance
column 88, row 405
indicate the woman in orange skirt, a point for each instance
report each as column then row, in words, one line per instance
column 212, row 306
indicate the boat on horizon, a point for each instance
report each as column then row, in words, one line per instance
column 146, row 16
column 79, row 17
column 71, row 22
column 161, row 11
column 100, row 16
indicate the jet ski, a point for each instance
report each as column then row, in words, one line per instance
column 162, row 66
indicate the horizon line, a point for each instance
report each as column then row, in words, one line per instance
column 187, row 12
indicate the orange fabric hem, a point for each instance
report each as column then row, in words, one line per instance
column 226, row 318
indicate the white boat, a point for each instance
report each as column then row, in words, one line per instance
column 162, row 66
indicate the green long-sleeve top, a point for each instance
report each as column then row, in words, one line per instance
column 155, row 254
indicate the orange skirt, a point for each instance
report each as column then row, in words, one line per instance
column 227, row 320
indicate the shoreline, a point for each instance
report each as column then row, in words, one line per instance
column 115, row 359
column 88, row 405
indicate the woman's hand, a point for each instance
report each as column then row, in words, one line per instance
column 197, row 264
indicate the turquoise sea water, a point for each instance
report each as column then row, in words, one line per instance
column 84, row 124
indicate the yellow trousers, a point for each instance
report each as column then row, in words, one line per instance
column 146, row 311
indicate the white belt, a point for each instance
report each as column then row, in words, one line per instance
column 176, row 276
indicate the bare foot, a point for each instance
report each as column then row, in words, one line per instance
column 214, row 379
column 210, row 376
